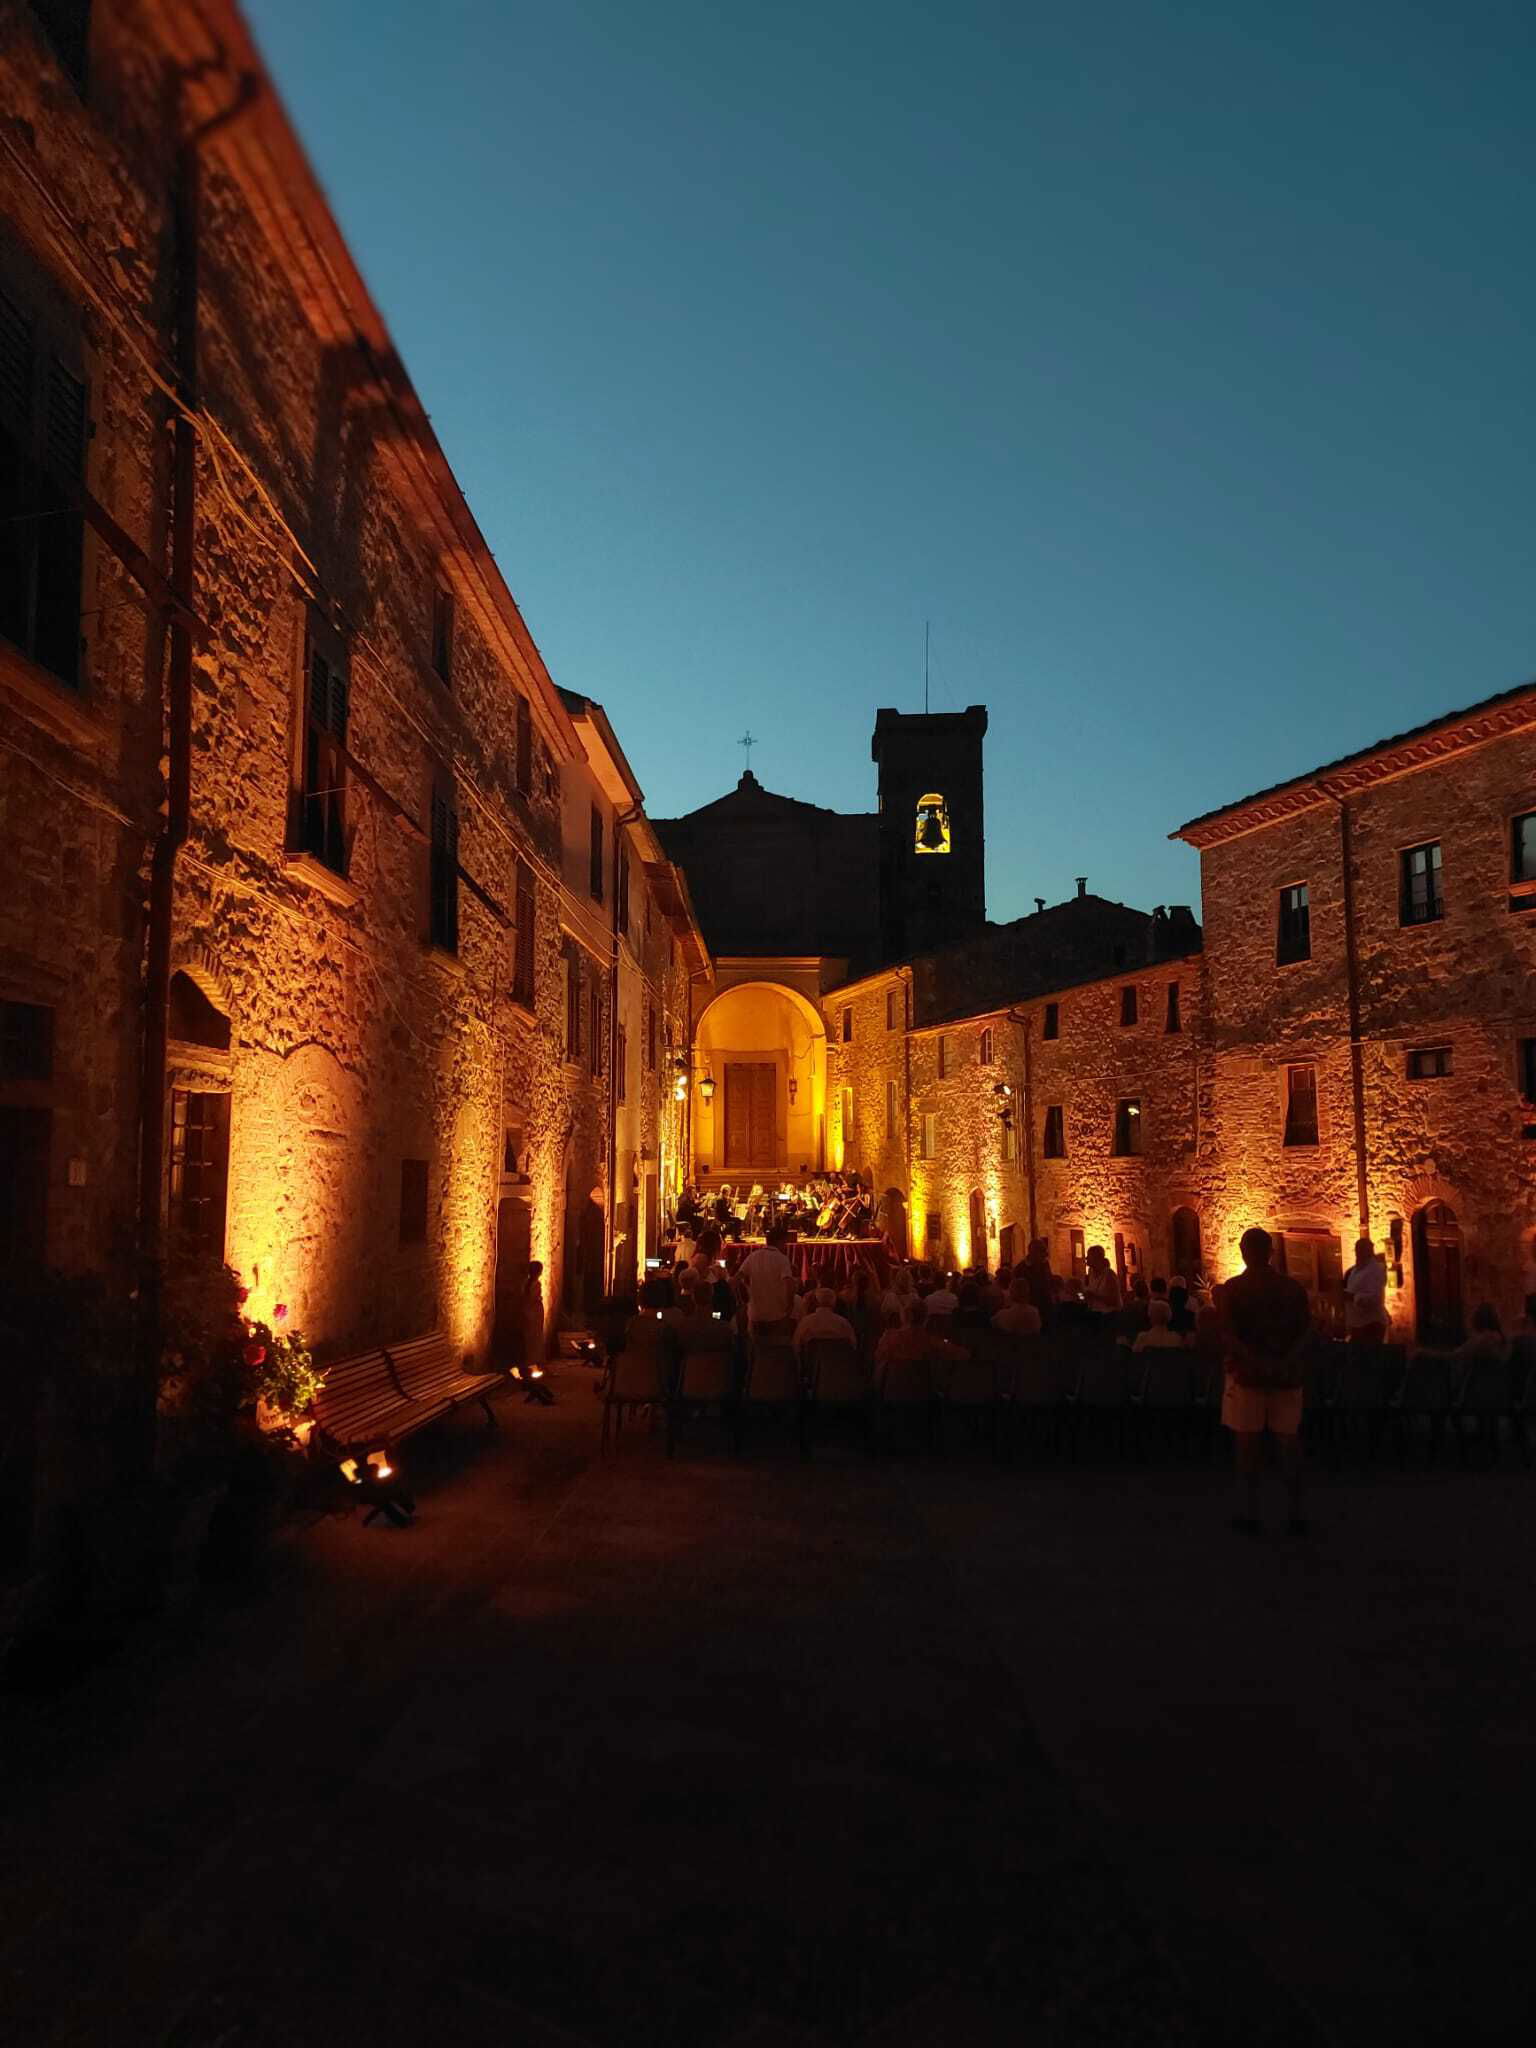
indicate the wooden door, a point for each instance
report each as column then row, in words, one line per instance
column 1437, row 1274
column 514, row 1246
column 751, row 1105
column 1186, row 1261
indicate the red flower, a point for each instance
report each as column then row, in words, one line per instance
column 255, row 1354
column 280, row 1313
column 242, row 1294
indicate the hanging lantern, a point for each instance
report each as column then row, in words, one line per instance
column 707, row 1087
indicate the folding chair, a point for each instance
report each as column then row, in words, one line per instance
column 1423, row 1398
column 639, row 1377
column 1164, row 1404
column 773, row 1389
column 706, row 1380
column 837, row 1384
column 1483, row 1405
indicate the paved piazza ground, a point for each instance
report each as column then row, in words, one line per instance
column 749, row 1754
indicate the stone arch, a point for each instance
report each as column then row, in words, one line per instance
column 759, row 1025
column 203, row 969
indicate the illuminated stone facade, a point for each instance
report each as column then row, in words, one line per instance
column 417, row 926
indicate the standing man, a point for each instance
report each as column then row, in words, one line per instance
column 1101, row 1284
column 765, row 1280
column 1265, row 1325
column 1365, row 1296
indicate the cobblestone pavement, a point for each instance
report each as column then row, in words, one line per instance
column 748, row 1753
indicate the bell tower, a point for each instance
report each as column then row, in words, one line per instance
column 933, row 855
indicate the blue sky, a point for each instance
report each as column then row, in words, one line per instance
column 1175, row 362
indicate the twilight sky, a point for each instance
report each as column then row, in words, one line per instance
column 1175, row 361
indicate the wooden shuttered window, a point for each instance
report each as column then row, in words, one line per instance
column 524, row 938
column 42, row 470
column 523, row 765
column 199, row 1170
column 323, row 796
column 444, row 873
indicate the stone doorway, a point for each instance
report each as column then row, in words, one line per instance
column 1186, row 1259
column 751, row 1113
column 514, row 1249
column 1437, row 1274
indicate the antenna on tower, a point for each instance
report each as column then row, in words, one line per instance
column 925, row 666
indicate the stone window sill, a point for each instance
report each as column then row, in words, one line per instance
column 61, row 711
column 448, row 963
column 304, row 867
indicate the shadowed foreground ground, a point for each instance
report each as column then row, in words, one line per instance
column 747, row 1754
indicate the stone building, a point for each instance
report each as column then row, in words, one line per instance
column 343, row 948
column 1371, row 1013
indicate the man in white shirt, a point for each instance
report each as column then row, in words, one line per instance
column 1365, row 1296
column 765, row 1280
column 824, row 1321
column 943, row 1301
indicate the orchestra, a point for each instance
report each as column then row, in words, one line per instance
column 831, row 1205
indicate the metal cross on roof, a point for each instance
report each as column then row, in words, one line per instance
column 749, row 743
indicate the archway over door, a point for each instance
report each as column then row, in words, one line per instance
column 764, row 1047
column 584, row 1235
column 1437, row 1274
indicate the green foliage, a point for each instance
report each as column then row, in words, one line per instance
column 285, row 1378
column 217, row 1365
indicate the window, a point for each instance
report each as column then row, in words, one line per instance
column 846, row 1028
column 25, row 1142
column 1301, row 1105
column 1528, row 1071
column 26, row 1042
column 1054, row 1144
column 978, row 1222
column 1078, row 1255
column 1429, row 1062
column 1051, row 1028
column 890, row 1009
column 931, row 833
column 847, row 1114
column 443, row 872
column 413, row 1201
column 1127, row 1006
column 442, row 635
column 1522, row 848
column 1294, row 939
column 595, row 867
column 933, row 1227
column 650, row 1038
column 67, row 25
column 1420, row 899
column 984, row 1050
column 199, row 1169
column 523, row 765
column 524, row 938
column 943, row 1055
column 892, row 1125
column 621, row 889
column 621, row 1064
column 595, row 1026
column 1128, row 1121
column 42, row 467
column 928, row 1136
column 323, row 797
column 1010, row 1139
column 573, row 1002
column 511, row 1148
column 1174, row 1021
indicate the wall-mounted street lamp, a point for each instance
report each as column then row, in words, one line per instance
column 707, row 1087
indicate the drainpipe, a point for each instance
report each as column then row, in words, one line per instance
column 1027, row 1120
column 159, row 923
column 1356, row 1049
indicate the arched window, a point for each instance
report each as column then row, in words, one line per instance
column 931, row 832
column 193, row 1019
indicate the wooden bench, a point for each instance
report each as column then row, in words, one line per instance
column 431, row 1377
column 375, row 1399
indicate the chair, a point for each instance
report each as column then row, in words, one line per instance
column 904, row 1398
column 1423, row 1397
column 1102, row 1399
column 1165, row 1403
column 773, row 1388
column 837, row 1383
column 1358, row 1410
column 1485, row 1402
column 706, row 1379
column 1035, row 1390
column 639, row 1377
column 968, row 1387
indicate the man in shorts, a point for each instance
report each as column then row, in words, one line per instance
column 1266, row 1322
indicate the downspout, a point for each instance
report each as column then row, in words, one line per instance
column 1027, row 1119
column 1356, row 1050
column 159, row 923
column 621, row 824
column 906, row 1121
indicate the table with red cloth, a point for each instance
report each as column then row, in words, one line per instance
column 822, row 1261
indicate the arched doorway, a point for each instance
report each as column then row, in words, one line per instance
column 1184, row 1243
column 892, row 1219
column 763, row 1047
column 1437, row 1274
column 514, row 1223
column 978, row 1221
column 584, row 1234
